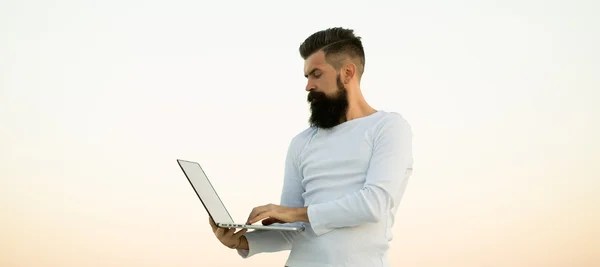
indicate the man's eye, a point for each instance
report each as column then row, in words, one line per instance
column 317, row 75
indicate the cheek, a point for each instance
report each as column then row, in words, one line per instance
column 327, row 87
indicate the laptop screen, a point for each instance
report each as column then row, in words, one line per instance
column 205, row 191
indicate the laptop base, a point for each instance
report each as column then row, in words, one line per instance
column 261, row 227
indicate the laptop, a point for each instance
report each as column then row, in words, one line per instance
column 213, row 204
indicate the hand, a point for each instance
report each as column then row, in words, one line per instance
column 272, row 213
column 229, row 237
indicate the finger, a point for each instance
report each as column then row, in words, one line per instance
column 255, row 211
column 260, row 210
column 240, row 233
column 229, row 232
column 260, row 217
column 269, row 221
column 220, row 232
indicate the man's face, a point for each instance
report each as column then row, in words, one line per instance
column 327, row 95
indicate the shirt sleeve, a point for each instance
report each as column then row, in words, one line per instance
column 274, row 241
column 386, row 180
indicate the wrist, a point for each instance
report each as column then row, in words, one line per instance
column 243, row 244
column 302, row 214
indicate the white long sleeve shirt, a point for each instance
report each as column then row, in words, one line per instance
column 351, row 178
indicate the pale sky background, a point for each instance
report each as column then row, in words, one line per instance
column 98, row 99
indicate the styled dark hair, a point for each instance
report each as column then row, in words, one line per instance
column 338, row 44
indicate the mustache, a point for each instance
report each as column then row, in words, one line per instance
column 313, row 95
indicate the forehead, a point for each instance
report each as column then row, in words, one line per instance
column 314, row 61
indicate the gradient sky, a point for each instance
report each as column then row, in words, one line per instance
column 98, row 99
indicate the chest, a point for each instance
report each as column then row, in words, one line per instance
column 336, row 162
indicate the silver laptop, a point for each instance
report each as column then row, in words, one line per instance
column 213, row 204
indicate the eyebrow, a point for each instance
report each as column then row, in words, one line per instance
column 311, row 72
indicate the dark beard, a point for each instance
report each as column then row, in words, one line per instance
column 328, row 112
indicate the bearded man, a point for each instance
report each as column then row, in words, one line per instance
column 345, row 174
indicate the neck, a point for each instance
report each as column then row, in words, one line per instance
column 358, row 106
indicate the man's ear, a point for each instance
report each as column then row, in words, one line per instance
column 349, row 72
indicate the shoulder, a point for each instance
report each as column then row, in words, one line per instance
column 391, row 127
column 300, row 140
column 392, row 122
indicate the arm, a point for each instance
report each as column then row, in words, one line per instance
column 386, row 180
column 291, row 195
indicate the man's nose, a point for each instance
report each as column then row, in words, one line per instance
column 309, row 87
